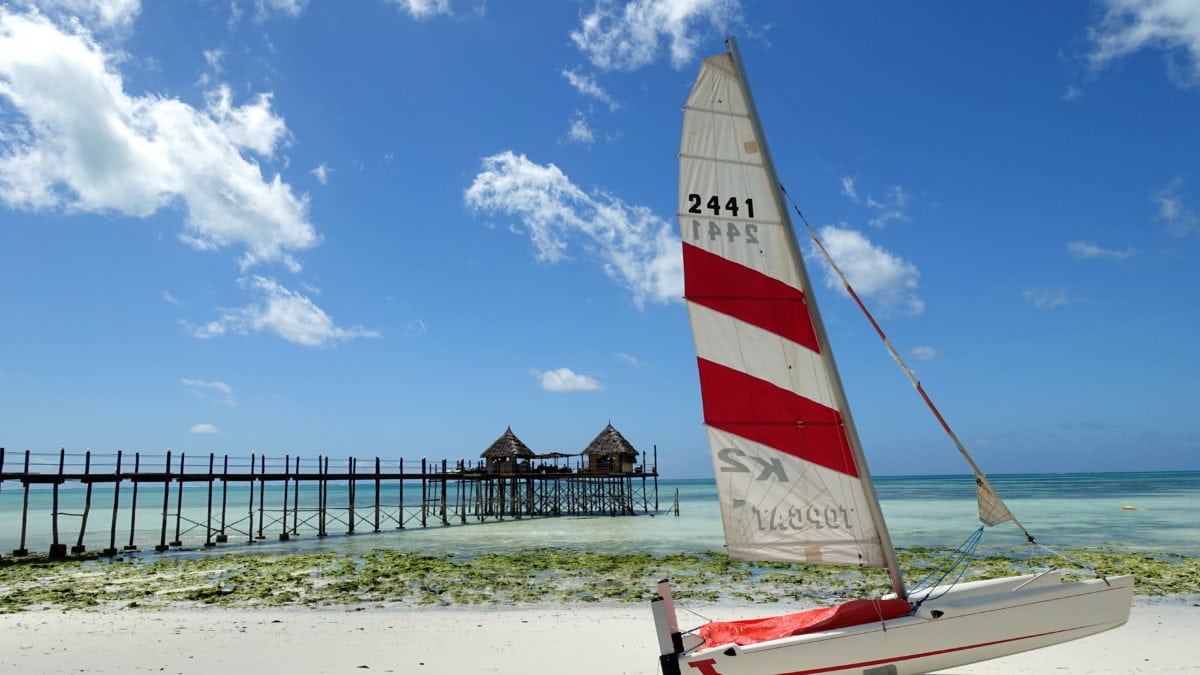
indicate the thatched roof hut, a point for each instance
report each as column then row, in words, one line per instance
column 506, row 452
column 609, row 451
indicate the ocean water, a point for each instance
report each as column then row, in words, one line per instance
column 1125, row 511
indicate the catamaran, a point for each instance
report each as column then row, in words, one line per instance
column 791, row 477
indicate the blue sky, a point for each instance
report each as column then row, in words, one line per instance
column 395, row 228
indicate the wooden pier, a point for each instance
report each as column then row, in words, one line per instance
column 204, row 501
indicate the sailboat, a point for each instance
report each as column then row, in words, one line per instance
column 791, row 476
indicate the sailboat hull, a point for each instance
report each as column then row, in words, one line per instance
column 968, row 623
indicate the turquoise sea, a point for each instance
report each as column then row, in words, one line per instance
column 1123, row 511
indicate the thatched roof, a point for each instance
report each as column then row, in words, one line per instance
column 508, row 446
column 610, row 442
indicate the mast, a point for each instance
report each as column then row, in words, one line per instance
column 889, row 552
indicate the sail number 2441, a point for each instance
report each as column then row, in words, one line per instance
column 714, row 205
column 715, row 230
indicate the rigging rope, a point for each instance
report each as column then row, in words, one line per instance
column 980, row 479
column 959, row 560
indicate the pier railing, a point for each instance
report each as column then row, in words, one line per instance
column 69, row 501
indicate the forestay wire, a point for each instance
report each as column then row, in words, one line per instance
column 968, row 548
column 980, row 479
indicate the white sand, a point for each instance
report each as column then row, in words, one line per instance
column 1161, row 637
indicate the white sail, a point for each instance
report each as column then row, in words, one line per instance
column 791, row 481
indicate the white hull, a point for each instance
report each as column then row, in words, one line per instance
column 972, row 622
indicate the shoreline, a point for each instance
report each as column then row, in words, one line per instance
column 534, row 640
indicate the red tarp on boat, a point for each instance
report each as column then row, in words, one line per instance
column 750, row 631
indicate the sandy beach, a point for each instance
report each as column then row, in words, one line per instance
column 1159, row 638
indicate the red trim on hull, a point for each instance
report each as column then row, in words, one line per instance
column 910, row 657
column 746, row 295
column 761, row 412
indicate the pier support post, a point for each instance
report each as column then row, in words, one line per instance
column 137, row 466
column 287, row 467
column 87, row 503
column 162, row 541
column 176, row 542
column 112, row 535
column 21, row 550
column 57, row 550
column 222, row 537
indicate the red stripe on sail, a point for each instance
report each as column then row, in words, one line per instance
column 756, row 298
column 761, row 412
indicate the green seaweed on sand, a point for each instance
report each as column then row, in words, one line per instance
column 388, row 578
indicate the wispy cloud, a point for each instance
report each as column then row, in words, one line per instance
column 639, row 250
column 292, row 8
column 423, row 9
column 873, row 272
column 890, row 208
column 204, row 429
column 628, row 36
column 627, row 359
column 923, row 353
column 202, row 389
column 1172, row 26
column 166, row 295
column 580, row 132
column 1046, row 297
column 563, row 380
column 321, row 173
column 105, row 15
column 587, row 85
column 1180, row 218
column 283, row 312
column 1084, row 250
column 849, row 190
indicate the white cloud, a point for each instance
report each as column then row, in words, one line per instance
column 115, row 15
column 81, row 143
column 639, row 250
column 923, row 353
column 627, row 37
column 166, row 295
column 214, row 57
column 1132, row 25
column 562, row 380
column 1044, row 297
column 321, row 173
column 848, row 188
column 290, row 7
column 1181, row 220
column 204, row 429
column 201, row 389
column 580, row 132
column 873, row 272
column 286, row 313
column 628, row 359
column 884, row 210
column 890, row 208
column 587, row 85
column 1083, row 250
column 423, row 9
